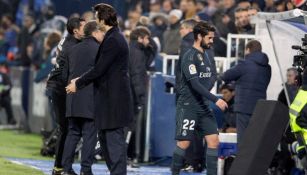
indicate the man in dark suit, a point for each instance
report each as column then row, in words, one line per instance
column 113, row 98
column 56, row 83
column 80, row 106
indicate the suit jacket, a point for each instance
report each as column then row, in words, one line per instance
column 113, row 99
column 80, row 59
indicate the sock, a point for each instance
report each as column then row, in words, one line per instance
column 178, row 158
column 211, row 161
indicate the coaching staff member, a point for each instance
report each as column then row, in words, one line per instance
column 56, row 83
column 193, row 115
column 252, row 77
column 113, row 98
column 80, row 106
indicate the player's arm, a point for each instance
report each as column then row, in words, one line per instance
column 190, row 72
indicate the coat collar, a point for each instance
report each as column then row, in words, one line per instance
column 112, row 30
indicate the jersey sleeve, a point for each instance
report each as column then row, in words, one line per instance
column 188, row 67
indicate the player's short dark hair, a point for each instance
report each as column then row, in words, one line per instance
column 73, row 23
column 107, row 13
column 91, row 27
column 254, row 46
column 139, row 31
column 228, row 87
column 202, row 28
column 191, row 23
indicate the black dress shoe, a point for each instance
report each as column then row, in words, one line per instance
column 69, row 173
column 57, row 171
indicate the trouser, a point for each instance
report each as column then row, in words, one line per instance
column 242, row 123
column 115, row 150
column 5, row 102
column 58, row 103
column 134, row 134
column 85, row 128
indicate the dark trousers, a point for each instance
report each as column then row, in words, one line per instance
column 134, row 143
column 85, row 128
column 115, row 150
column 58, row 104
column 5, row 102
column 242, row 123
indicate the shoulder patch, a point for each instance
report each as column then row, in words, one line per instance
column 192, row 69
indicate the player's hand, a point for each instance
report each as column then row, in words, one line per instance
column 71, row 88
column 221, row 104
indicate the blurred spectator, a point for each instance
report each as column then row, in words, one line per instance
column 201, row 5
column 74, row 15
column 171, row 41
column 269, row 6
column 52, row 22
column 242, row 21
column 291, row 86
column 133, row 18
column 25, row 40
column 151, row 49
column 11, row 30
column 224, row 18
column 280, row 5
column 202, row 16
column 50, row 44
column 183, row 6
column 139, row 40
column 211, row 8
column 252, row 12
column 88, row 16
column 155, row 6
column 192, row 9
column 167, row 6
column 244, row 4
column 290, row 5
column 158, row 26
column 229, row 126
column 249, row 87
column 5, row 97
column 4, row 47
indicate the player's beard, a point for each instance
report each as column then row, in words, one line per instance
column 204, row 45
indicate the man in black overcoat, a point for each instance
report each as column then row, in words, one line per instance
column 113, row 99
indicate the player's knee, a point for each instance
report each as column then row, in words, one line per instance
column 213, row 142
column 183, row 144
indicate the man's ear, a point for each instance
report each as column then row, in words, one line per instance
column 75, row 31
column 199, row 37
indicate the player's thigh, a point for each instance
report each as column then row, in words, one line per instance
column 186, row 121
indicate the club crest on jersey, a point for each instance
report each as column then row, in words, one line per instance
column 192, row 69
column 208, row 69
column 184, row 133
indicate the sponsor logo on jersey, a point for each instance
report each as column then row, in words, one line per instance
column 192, row 69
column 204, row 74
